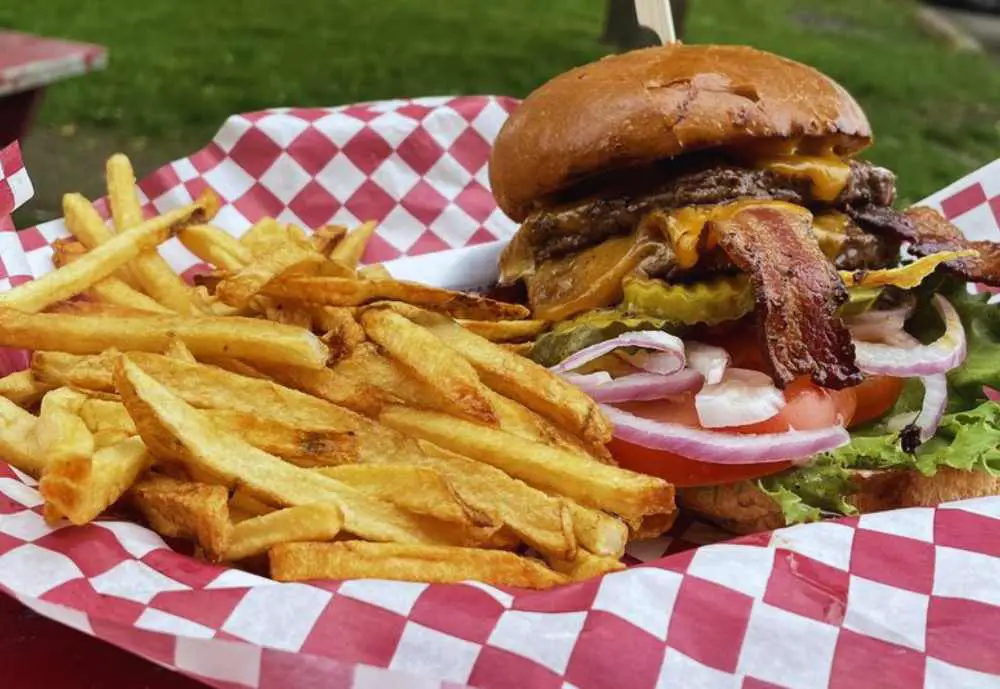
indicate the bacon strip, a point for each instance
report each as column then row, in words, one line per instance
column 928, row 232
column 797, row 292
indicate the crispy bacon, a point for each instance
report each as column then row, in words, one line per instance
column 928, row 232
column 797, row 292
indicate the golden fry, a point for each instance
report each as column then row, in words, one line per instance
column 100, row 262
column 245, row 338
column 407, row 562
column 334, row 291
column 621, row 492
column 174, row 429
column 176, row 349
column 505, row 331
column 90, row 373
column 216, row 247
column 244, row 502
column 153, row 273
column 350, row 249
column 543, row 522
column 62, row 436
column 342, row 331
column 521, row 379
column 238, row 289
column 325, row 238
column 320, row 522
column 419, row 490
column 84, row 223
column 113, row 470
column 599, row 532
column 586, row 565
column 374, row 271
column 17, row 439
column 180, row 509
column 451, row 378
column 22, row 388
column 268, row 234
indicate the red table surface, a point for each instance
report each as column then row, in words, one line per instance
column 36, row 653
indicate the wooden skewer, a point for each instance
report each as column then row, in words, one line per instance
column 656, row 15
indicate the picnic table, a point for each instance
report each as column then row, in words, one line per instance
column 28, row 64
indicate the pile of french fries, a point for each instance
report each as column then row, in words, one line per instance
column 295, row 414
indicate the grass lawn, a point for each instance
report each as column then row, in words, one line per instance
column 179, row 67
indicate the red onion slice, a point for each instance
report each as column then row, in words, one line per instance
column 708, row 360
column 718, row 447
column 872, row 326
column 635, row 387
column 940, row 356
column 661, row 363
column 935, row 395
column 742, row 398
column 645, row 339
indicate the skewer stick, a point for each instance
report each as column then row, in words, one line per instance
column 656, row 15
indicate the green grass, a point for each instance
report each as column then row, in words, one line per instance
column 178, row 67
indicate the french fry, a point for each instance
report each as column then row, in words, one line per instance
column 407, row 562
column 615, row 490
column 325, row 238
column 238, row 289
column 86, row 225
column 342, row 331
column 518, row 378
column 320, row 522
column 284, row 311
column 17, row 439
column 451, row 378
column 100, row 262
column 176, row 349
column 653, row 526
column 245, row 338
column 80, row 307
column 586, row 565
column 306, row 447
column 172, row 428
column 111, row 289
column 153, row 273
column 22, row 388
column 242, row 501
column 350, row 249
column 334, row 291
column 374, row 271
column 114, row 291
column 113, row 469
column 216, row 247
column 419, row 490
column 234, row 366
column 263, row 237
column 178, row 509
column 62, row 436
column 599, row 532
column 90, row 373
column 357, row 396
column 353, row 378
column 518, row 348
column 505, row 331
column 543, row 522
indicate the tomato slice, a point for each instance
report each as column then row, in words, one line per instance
column 875, row 396
column 807, row 407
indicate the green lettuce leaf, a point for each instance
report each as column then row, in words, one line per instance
column 966, row 440
column 982, row 331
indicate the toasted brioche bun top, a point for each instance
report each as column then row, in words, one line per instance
column 648, row 105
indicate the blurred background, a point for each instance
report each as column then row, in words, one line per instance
column 177, row 68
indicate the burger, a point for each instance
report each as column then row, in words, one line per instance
column 734, row 285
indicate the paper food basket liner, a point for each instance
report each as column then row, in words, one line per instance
column 900, row 599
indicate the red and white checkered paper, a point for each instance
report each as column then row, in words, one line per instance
column 899, row 599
